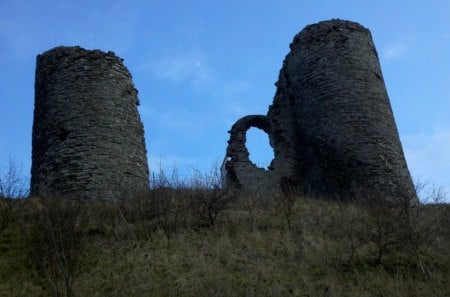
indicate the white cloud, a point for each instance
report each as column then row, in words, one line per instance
column 395, row 50
column 175, row 120
column 236, row 88
column 428, row 157
column 184, row 66
column 17, row 38
column 145, row 110
column 108, row 26
column 240, row 98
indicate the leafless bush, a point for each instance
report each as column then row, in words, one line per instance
column 126, row 211
column 12, row 187
column 12, row 184
column 423, row 223
column 163, row 210
column 348, row 229
column 159, row 208
column 250, row 203
column 162, row 180
column 57, row 242
column 208, row 198
column 6, row 213
column 287, row 202
column 150, row 211
column 207, row 204
column 392, row 226
column 384, row 229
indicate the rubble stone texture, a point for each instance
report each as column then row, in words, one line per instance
column 331, row 124
column 88, row 139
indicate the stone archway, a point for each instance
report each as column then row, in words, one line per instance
column 238, row 170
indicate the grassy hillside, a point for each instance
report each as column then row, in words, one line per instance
column 196, row 242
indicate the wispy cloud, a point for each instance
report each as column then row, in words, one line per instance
column 108, row 26
column 189, row 66
column 395, row 50
column 234, row 100
column 16, row 37
column 428, row 157
column 175, row 120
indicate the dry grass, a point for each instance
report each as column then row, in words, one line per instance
column 149, row 246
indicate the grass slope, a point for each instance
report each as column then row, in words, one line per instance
column 206, row 243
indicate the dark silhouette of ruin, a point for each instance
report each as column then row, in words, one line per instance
column 88, row 139
column 331, row 124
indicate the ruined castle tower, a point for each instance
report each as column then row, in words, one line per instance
column 331, row 124
column 88, row 139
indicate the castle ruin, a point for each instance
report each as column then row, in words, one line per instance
column 331, row 124
column 88, row 139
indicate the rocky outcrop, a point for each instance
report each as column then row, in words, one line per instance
column 88, row 139
column 331, row 124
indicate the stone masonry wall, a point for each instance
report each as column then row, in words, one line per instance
column 331, row 124
column 240, row 171
column 88, row 139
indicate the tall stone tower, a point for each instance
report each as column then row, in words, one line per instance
column 88, row 139
column 331, row 124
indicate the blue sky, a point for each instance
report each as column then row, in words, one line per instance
column 201, row 65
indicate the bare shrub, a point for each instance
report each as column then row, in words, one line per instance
column 423, row 223
column 159, row 208
column 141, row 212
column 348, row 230
column 250, row 203
column 385, row 230
column 57, row 242
column 163, row 211
column 286, row 203
column 163, row 180
column 288, row 199
column 126, row 211
column 393, row 226
column 12, row 184
column 207, row 204
column 6, row 213
column 207, row 196
column 101, row 217
column 12, row 187
column 376, row 221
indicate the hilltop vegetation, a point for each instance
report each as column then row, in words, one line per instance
column 198, row 240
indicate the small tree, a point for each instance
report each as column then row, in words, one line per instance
column 12, row 184
column 11, row 187
column 208, row 198
column 207, row 204
column 348, row 229
column 164, row 211
column 58, row 241
column 380, row 221
column 423, row 223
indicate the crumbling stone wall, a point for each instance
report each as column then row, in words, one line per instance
column 241, row 172
column 331, row 124
column 88, row 139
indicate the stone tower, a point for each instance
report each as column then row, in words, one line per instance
column 88, row 139
column 331, row 124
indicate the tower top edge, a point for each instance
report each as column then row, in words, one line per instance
column 61, row 51
column 335, row 24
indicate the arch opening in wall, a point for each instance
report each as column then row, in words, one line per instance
column 258, row 145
